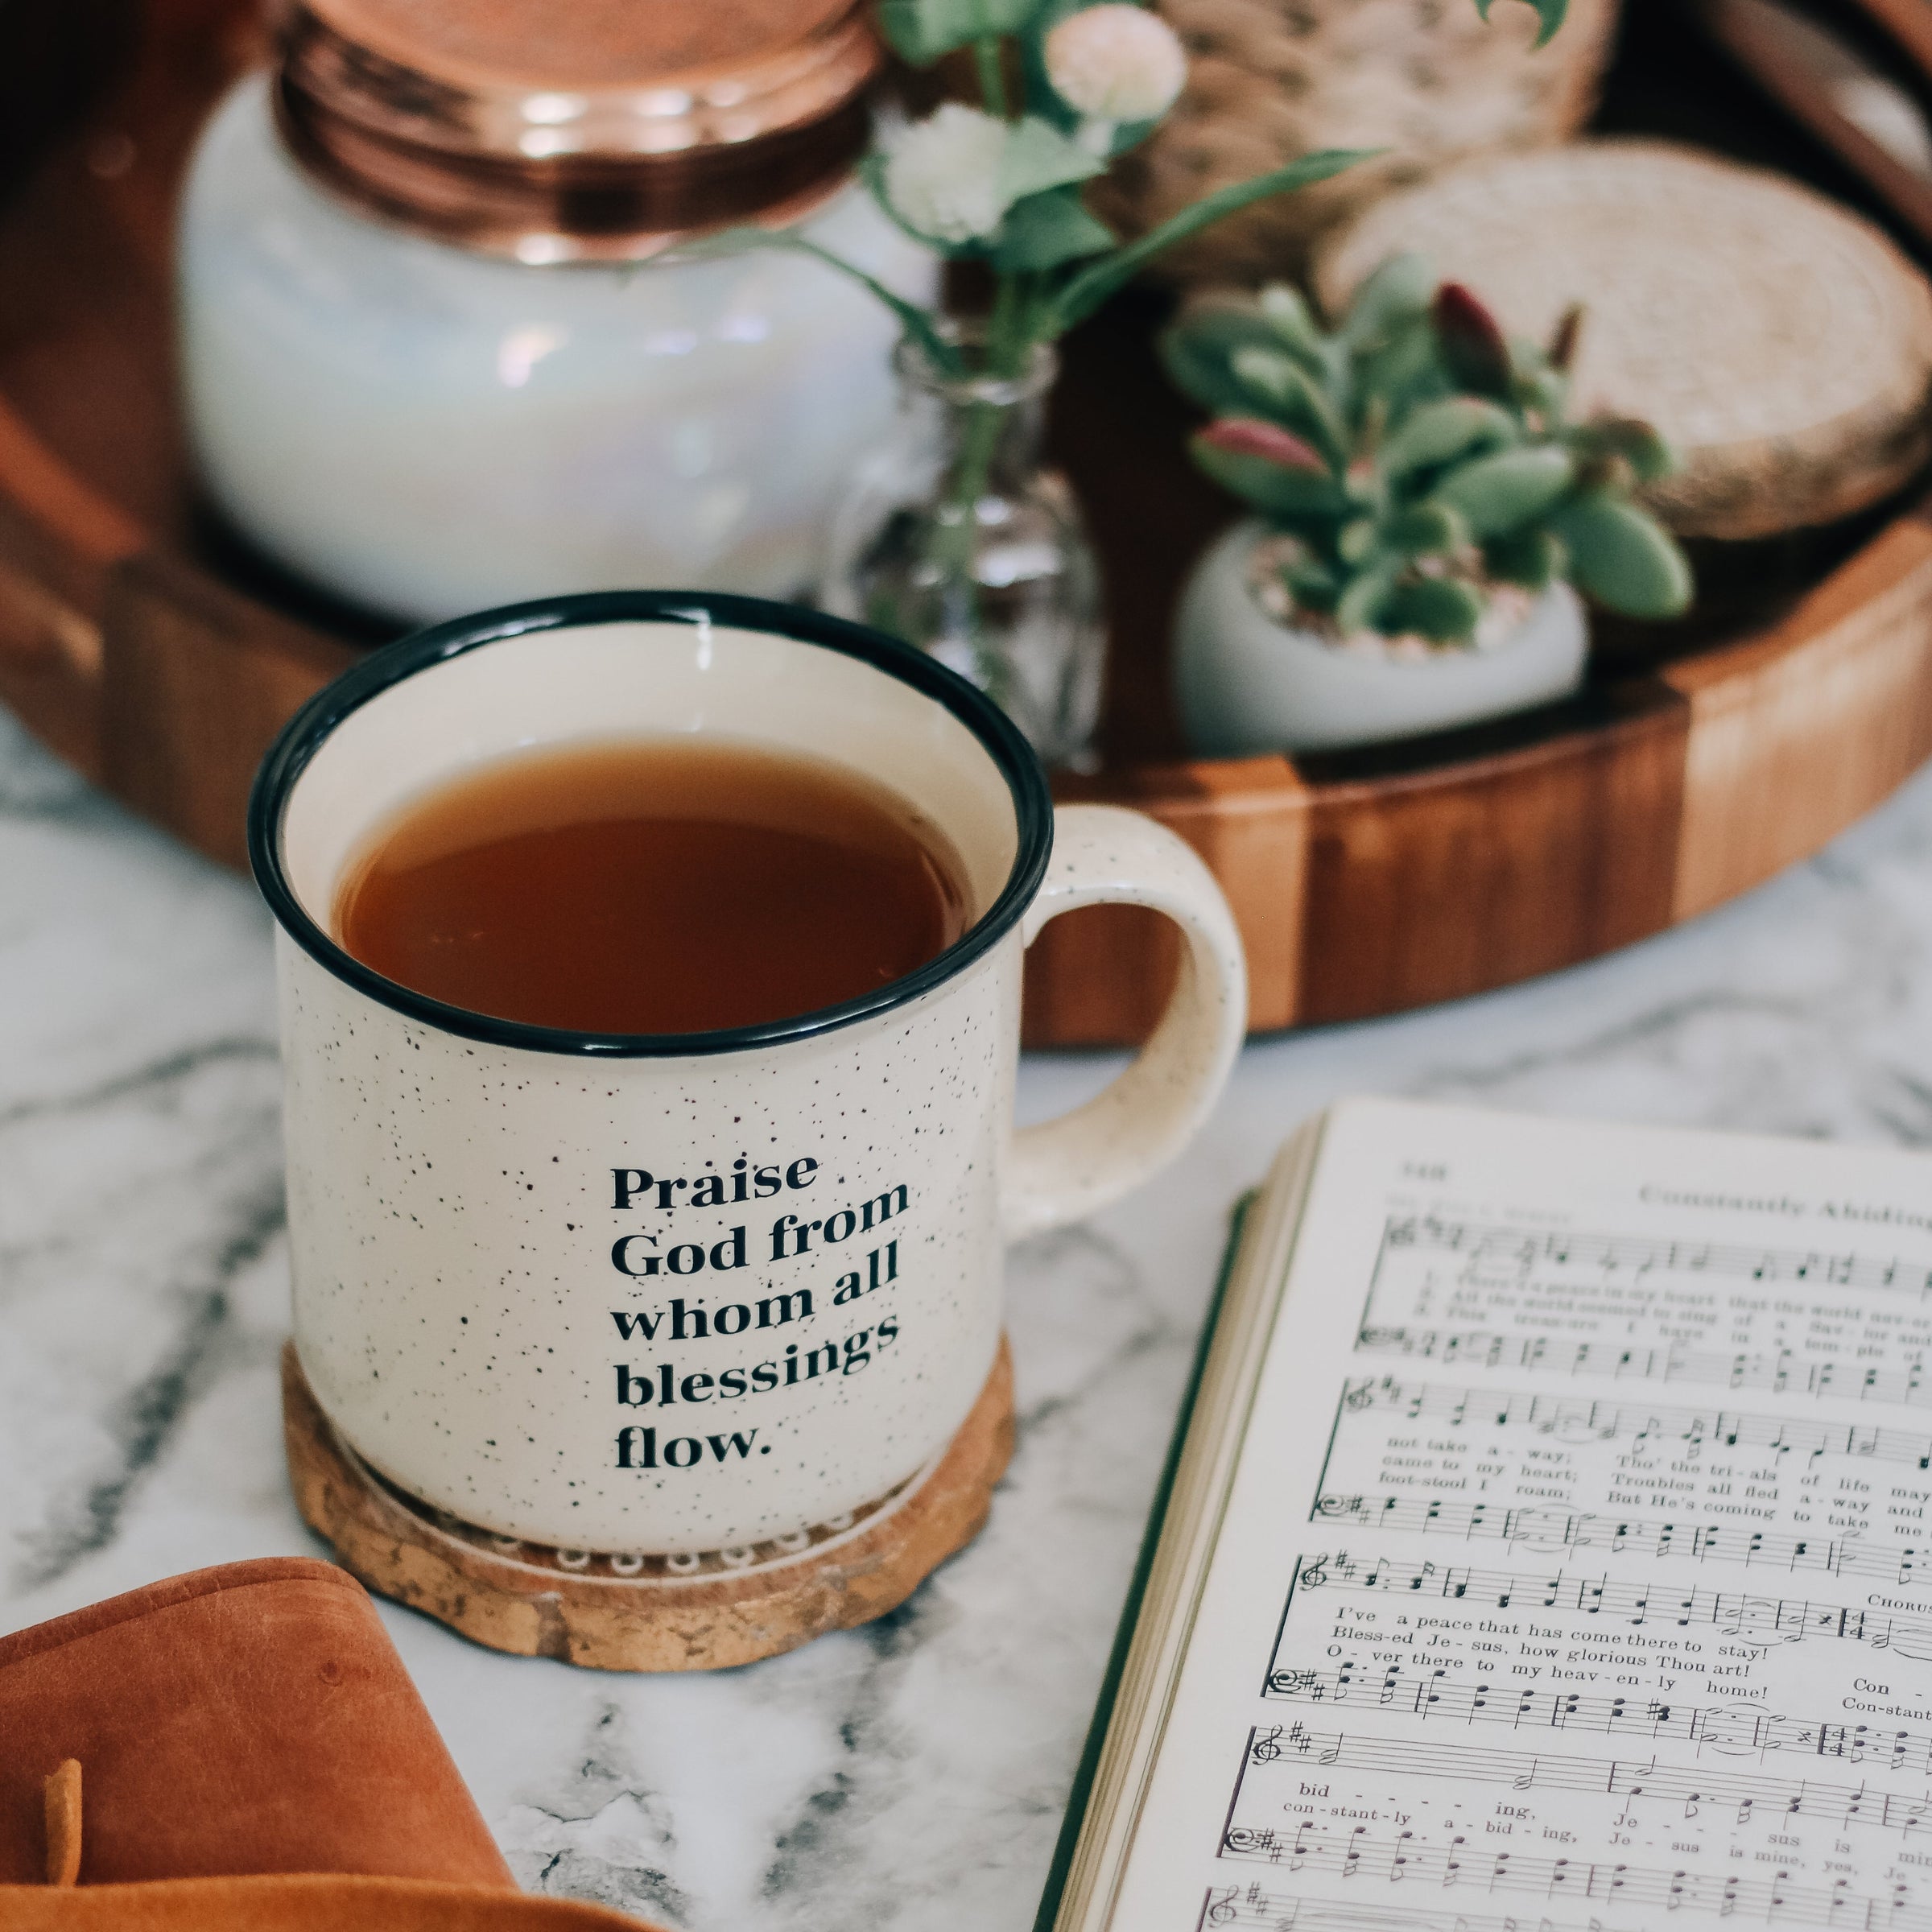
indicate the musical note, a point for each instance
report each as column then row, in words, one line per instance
column 1760, row 1620
column 1629, row 1778
column 1775, row 1899
column 1573, row 1418
column 1729, row 1730
column 1521, row 1249
column 1648, row 1536
column 1252, row 1907
column 1778, row 1373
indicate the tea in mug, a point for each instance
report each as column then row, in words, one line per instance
column 659, row 886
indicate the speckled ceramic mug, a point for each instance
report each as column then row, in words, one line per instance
column 687, row 1293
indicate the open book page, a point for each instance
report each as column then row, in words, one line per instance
column 1576, row 1571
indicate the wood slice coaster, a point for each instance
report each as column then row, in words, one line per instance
column 1781, row 342
column 645, row 1612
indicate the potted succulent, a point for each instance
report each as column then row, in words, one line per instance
column 1425, row 512
column 953, row 535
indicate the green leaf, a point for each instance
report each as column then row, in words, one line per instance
column 1358, row 607
column 1287, row 312
column 1499, row 493
column 1564, row 338
column 1445, row 608
column 1398, row 292
column 1402, row 367
column 920, row 31
column 916, row 322
column 1649, row 456
column 1471, row 343
column 1356, row 542
column 1426, row 530
column 1623, row 557
column 1045, row 230
column 1532, row 557
column 1197, row 352
column 1440, row 432
column 1541, row 387
column 1038, row 157
column 1275, row 376
column 1272, row 488
column 1311, row 583
column 1549, row 12
column 1255, row 436
column 1087, row 289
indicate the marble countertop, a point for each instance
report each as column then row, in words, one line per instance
column 910, row 1775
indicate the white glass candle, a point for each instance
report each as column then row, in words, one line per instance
column 424, row 429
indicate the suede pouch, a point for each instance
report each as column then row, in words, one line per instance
column 245, row 1753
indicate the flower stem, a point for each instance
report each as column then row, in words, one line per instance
column 1003, row 350
column 992, row 74
column 958, row 533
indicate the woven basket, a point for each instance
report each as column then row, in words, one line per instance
column 1269, row 80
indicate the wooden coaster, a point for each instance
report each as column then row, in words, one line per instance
column 1781, row 342
column 645, row 1612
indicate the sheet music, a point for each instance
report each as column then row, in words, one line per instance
column 1576, row 1574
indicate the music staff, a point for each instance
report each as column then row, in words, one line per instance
column 1741, row 1798
column 1772, row 1900
column 1251, row 1906
column 1636, row 1536
column 1576, row 1418
column 1639, row 1255
column 1762, row 1620
column 1489, row 1349
column 1729, row 1730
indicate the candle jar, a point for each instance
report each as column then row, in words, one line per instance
column 456, row 325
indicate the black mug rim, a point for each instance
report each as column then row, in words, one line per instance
column 305, row 733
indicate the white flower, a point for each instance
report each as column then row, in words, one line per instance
column 943, row 174
column 1116, row 63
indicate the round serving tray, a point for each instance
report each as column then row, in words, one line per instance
column 152, row 653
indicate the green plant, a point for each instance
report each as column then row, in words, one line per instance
column 1063, row 88
column 1419, row 459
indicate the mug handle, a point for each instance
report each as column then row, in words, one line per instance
column 1066, row 1168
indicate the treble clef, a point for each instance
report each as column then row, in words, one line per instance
column 1221, row 1911
column 1361, row 1396
column 1267, row 1746
column 1315, row 1572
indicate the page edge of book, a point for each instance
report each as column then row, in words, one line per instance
column 1244, row 1224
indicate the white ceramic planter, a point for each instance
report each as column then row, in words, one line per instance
column 1246, row 683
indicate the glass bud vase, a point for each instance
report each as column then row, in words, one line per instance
column 952, row 536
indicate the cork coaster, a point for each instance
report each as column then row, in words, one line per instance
column 637, row 1612
column 1781, row 342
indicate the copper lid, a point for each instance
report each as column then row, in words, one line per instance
column 554, row 130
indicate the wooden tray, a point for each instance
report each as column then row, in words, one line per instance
column 155, row 654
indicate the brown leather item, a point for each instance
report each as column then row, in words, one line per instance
column 239, row 1750
column 250, row 1718
column 296, row 1902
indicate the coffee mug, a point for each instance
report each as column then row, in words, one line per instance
column 679, row 1293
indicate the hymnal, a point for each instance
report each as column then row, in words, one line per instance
column 1545, row 1545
